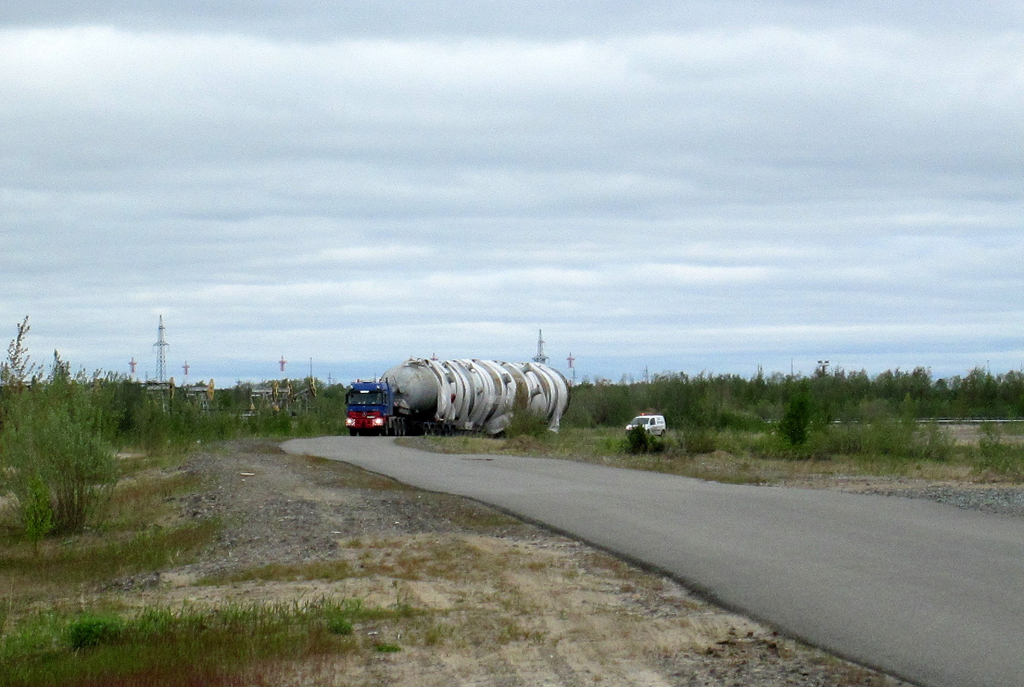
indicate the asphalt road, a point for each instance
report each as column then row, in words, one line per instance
column 924, row 591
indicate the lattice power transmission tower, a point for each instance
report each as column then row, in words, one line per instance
column 540, row 357
column 161, row 353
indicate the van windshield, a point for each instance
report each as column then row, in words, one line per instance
column 640, row 421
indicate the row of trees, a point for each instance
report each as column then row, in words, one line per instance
column 732, row 401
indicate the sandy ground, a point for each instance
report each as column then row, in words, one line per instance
column 503, row 602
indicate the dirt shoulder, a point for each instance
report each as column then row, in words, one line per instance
column 499, row 601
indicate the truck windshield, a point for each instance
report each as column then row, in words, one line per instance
column 370, row 398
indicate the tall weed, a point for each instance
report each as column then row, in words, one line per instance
column 525, row 422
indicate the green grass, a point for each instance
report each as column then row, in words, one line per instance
column 61, row 566
column 886, row 447
column 191, row 645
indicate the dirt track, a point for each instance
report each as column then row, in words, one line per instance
column 511, row 604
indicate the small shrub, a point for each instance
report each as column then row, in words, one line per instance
column 525, row 422
column 37, row 512
column 931, row 443
column 997, row 456
column 92, row 630
column 698, row 440
column 638, row 440
column 387, row 648
column 339, row 625
column 795, row 423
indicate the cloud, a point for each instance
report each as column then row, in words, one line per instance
column 311, row 21
column 726, row 189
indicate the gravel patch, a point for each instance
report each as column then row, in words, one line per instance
column 285, row 509
column 612, row 624
column 1001, row 500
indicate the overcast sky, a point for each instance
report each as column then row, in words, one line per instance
column 690, row 186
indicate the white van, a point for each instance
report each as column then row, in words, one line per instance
column 654, row 424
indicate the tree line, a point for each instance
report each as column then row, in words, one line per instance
column 731, row 401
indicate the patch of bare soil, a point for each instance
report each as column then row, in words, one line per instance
column 505, row 603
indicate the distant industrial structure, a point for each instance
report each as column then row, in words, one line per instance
column 161, row 353
column 540, row 357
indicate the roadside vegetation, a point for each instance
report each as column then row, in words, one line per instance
column 778, row 427
column 92, row 467
column 64, row 435
column 230, row 644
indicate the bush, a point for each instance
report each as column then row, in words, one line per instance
column 92, row 630
column 699, row 441
column 639, row 440
column 636, row 440
column 37, row 512
column 995, row 455
column 339, row 625
column 796, row 421
column 53, row 450
column 524, row 421
column 884, row 437
column 931, row 443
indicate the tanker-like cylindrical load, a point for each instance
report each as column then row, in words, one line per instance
column 476, row 395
